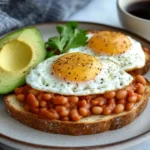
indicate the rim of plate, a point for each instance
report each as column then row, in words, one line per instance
column 133, row 140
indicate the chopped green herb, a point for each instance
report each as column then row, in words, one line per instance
column 70, row 37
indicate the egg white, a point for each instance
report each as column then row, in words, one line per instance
column 133, row 58
column 111, row 77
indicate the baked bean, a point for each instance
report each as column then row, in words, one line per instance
column 39, row 97
column 139, row 97
column 121, row 101
column 82, row 103
column 101, row 100
column 129, row 106
column 140, row 79
column 131, row 93
column 61, row 110
column 18, row 90
column 41, row 110
column 111, row 101
column 32, row 101
column 49, row 115
column 64, row 118
column 33, row 91
column 20, row 97
column 52, row 114
column 43, row 103
column 110, row 94
column 52, row 110
column 64, row 111
column 132, row 99
column 121, row 94
column 97, row 110
column 107, row 111
column 43, row 113
column 73, row 99
column 35, row 110
column 27, row 107
column 47, row 97
column 67, row 105
column 111, row 106
column 140, row 88
column 94, row 102
column 119, row 108
column 59, row 100
column 83, row 111
column 75, row 115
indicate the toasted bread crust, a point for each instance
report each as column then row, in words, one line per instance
column 81, row 127
column 142, row 70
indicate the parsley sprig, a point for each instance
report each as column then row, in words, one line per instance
column 69, row 37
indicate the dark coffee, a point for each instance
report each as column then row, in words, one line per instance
column 140, row 9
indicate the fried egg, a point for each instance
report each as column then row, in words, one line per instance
column 77, row 74
column 114, row 46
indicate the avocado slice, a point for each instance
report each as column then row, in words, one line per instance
column 20, row 51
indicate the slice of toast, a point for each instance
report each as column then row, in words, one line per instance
column 88, row 125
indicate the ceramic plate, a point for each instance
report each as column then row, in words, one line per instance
column 15, row 134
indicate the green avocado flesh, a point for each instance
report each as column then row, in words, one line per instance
column 20, row 51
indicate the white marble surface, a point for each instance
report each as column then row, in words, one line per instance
column 105, row 12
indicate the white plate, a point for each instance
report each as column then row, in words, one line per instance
column 15, row 134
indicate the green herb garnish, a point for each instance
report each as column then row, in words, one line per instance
column 70, row 37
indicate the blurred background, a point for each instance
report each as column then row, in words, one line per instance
column 100, row 11
column 19, row 13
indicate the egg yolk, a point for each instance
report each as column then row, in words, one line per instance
column 77, row 67
column 110, row 43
